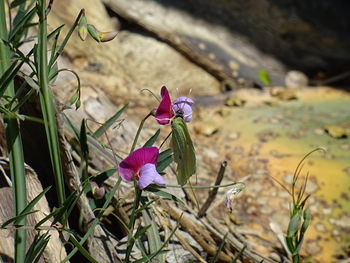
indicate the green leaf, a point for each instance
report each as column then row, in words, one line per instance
column 37, row 248
column 53, row 73
column 54, row 34
column 83, row 142
column 218, row 251
column 151, row 256
column 17, row 218
column 153, row 236
column 184, row 154
column 161, row 165
column 28, row 209
column 108, row 123
column 157, row 191
column 22, row 21
column 165, row 158
column 306, row 223
column 32, row 203
column 93, row 32
column 264, row 77
column 9, row 75
column 82, row 250
column 104, row 175
column 140, row 231
column 164, row 155
column 294, row 224
column 152, row 140
column 17, row 3
column 290, row 245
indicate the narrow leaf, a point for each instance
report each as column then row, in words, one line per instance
column 32, row 203
column 103, row 176
column 294, row 224
column 152, row 140
column 109, row 123
column 157, row 191
column 17, row 218
column 82, row 250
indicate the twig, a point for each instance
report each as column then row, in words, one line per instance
column 213, row 192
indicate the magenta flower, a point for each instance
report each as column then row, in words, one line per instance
column 167, row 110
column 141, row 164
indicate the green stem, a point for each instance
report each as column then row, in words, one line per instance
column 296, row 258
column 47, row 103
column 14, row 144
column 138, row 193
column 139, row 131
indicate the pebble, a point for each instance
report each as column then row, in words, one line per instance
column 295, row 79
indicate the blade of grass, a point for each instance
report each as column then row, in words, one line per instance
column 37, row 248
column 82, row 250
column 152, row 234
column 108, row 123
column 14, row 144
column 152, row 140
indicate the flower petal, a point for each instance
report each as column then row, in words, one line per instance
column 164, row 111
column 148, row 175
column 182, row 107
column 134, row 162
column 183, row 99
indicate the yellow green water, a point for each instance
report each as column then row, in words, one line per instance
column 289, row 130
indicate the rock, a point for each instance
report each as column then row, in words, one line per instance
column 207, row 128
column 235, row 39
column 55, row 251
column 228, row 55
column 336, row 131
column 284, row 94
column 131, row 62
column 296, row 79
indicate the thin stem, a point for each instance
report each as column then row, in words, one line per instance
column 14, row 144
column 47, row 104
column 139, row 131
column 166, row 138
column 138, row 193
column 65, row 40
column 201, row 187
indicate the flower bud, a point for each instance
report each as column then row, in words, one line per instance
column 82, row 29
column 107, row 36
column 97, row 192
column 93, row 32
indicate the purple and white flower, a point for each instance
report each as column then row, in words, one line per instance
column 167, row 109
column 141, row 165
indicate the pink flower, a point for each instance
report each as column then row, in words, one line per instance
column 141, row 164
column 167, row 110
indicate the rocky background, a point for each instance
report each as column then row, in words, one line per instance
column 214, row 51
